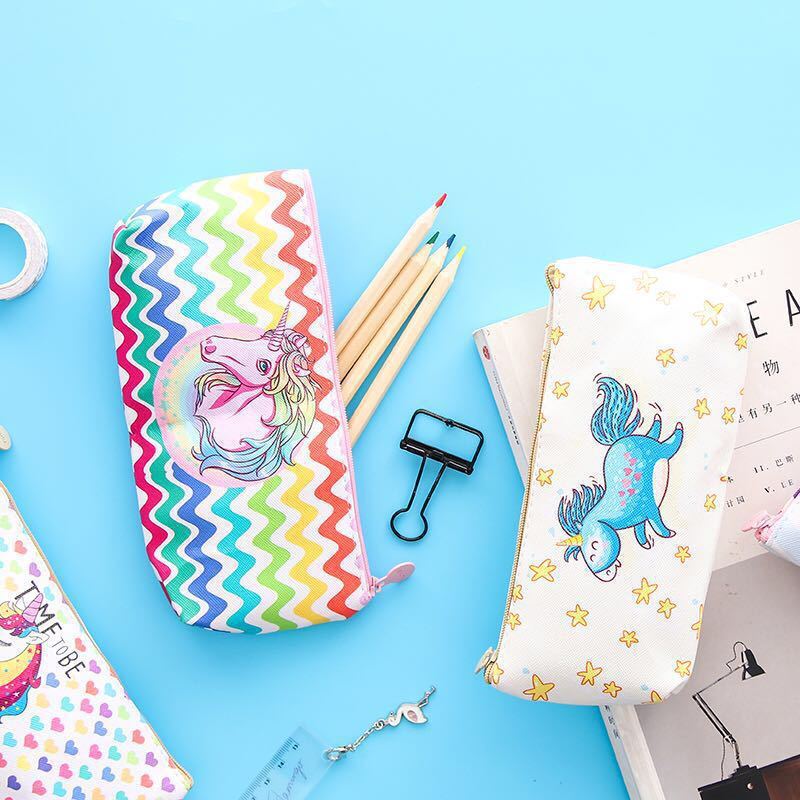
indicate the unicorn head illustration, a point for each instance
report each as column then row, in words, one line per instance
column 635, row 473
column 20, row 672
column 256, row 404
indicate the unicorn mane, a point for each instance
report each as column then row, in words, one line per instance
column 614, row 418
column 573, row 510
column 295, row 407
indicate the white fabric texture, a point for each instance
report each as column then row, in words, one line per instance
column 641, row 393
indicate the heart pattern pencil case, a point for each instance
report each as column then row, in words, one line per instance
column 67, row 728
column 640, row 393
column 240, row 448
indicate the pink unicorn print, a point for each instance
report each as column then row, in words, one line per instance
column 256, row 404
column 19, row 673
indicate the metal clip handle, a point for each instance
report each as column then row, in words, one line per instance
column 407, row 507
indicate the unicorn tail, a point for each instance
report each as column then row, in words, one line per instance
column 615, row 417
column 571, row 513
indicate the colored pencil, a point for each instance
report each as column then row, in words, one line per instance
column 386, row 274
column 383, row 338
column 405, row 344
column 349, row 354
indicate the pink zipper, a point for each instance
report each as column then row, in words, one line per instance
column 373, row 585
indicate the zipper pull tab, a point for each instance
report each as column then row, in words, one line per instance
column 396, row 574
column 485, row 662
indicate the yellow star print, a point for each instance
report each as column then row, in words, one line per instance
column 655, row 697
column 589, row 674
column 555, row 275
column 666, row 357
column 644, row 282
column 513, row 621
column 611, row 689
column 561, row 389
column 683, row 554
column 683, row 668
column 699, row 624
column 701, row 408
column 597, row 297
column 544, row 477
column 665, row 607
column 710, row 313
column 665, row 297
column 710, row 503
column 628, row 638
column 539, row 689
column 644, row 591
column 727, row 415
column 517, row 593
column 494, row 672
column 544, row 570
column 556, row 334
column 741, row 341
column 578, row 616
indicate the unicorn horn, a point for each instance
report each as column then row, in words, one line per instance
column 32, row 609
column 571, row 541
column 278, row 333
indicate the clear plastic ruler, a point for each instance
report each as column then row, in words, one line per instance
column 298, row 765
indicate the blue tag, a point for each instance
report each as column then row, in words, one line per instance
column 293, row 772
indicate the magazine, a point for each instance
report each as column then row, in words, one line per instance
column 753, row 595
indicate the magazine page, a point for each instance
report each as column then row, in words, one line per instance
column 755, row 602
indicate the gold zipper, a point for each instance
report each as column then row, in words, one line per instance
column 16, row 510
column 489, row 658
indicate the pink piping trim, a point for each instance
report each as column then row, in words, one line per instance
column 328, row 307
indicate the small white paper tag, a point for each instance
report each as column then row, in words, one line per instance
column 293, row 772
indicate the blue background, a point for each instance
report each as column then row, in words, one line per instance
column 620, row 130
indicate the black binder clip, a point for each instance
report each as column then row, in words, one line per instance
column 427, row 451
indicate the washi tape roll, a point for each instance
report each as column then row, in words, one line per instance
column 35, row 253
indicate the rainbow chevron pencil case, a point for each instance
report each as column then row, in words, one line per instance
column 639, row 400
column 241, row 455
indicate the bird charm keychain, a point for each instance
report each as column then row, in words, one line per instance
column 301, row 762
column 410, row 711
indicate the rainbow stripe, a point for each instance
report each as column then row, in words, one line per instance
column 285, row 552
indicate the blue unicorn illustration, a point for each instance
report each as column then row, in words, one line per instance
column 635, row 473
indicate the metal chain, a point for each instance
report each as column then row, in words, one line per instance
column 335, row 753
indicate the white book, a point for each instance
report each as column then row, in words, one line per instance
column 753, row 596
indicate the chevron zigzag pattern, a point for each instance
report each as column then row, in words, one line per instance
column 254, row 556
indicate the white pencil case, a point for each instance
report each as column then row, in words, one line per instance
column 780, row 533
column 639, row 403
